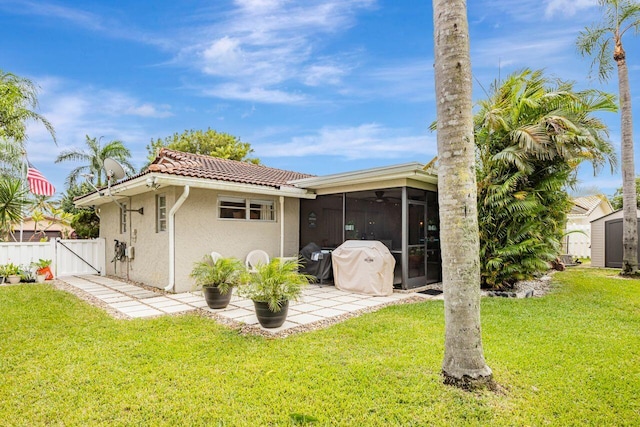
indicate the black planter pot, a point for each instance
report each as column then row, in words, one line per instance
column 268, row 318
column 215, row 299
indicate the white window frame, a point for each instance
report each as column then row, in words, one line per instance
column 123, row 218
column 247, row 209
column 161, row 220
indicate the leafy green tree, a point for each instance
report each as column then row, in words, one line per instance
column 616, row 200
column 209, row 142
column 93, row 158
column 73, row 191
column 603, row 41
column 86, row 224
column 11, row 159
column 42, row 222
column 531, row 134
column 13, row 200
column 18, row 100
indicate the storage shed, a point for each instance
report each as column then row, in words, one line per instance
column 606, row 240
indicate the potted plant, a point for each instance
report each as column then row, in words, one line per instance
column 3, row 273
column 12, row 273
column 43, row 270
column 27, row 274
column 271, row 286
column 217, row 279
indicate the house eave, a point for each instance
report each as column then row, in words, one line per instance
column 139, row 185
column 404, row 171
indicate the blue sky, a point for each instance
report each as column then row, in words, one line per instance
column 315, row 86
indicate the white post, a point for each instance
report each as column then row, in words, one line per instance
column 281, row 226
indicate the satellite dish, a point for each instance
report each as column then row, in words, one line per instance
column 113, row 169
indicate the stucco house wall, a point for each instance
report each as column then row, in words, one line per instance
column 198, row 231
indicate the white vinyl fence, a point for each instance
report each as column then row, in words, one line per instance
column 577, row 241
column 69, row 257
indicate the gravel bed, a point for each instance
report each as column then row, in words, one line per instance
column 537, row 287
column 257, row 330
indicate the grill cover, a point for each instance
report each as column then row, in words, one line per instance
column 316, row 262
column 364, row 267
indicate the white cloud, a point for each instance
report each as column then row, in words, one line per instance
column 254, row 5
column 367, row 141
column 75, row 111
column 558, row 47
column 149, row 110
column 257, row 94
column 91, row 21
column 567, row 7
column 264, row 44
column 317, row 75
column 408, row 80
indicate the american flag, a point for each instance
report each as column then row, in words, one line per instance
column 38, row 184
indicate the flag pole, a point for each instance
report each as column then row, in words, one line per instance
column 23, row 172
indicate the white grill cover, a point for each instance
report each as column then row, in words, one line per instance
column 364, row 267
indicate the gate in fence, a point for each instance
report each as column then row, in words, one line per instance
column 69, row 257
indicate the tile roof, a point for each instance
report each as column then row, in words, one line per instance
column 584, row 205
column 200, row 166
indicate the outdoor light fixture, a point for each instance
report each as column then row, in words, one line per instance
column 152, row 182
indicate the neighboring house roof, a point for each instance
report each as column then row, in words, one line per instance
column 201, row 166
column 586, row 205
column 49, row 223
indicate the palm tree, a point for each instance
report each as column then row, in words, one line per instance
column 464, row 364
column 11, row 159
column 604, row 42
column 13, row 198
column 94, row 160
column 531, row 135
column 18, row 99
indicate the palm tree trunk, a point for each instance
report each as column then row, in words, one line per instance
column 464, row 364
column 629, row 203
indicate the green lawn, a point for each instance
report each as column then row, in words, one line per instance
column 570, row 358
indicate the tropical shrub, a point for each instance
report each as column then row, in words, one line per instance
column 531, row 134
column 274, row 283
column 222, row 273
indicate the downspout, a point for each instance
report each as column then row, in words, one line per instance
column 172, row 238
column 281, row 226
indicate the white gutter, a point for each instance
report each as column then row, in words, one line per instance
column 139, row 186
column 172, row 239
column 281, row 226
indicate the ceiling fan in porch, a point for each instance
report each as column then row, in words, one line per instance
column 381, row 198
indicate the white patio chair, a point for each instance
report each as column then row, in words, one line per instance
column 215, row 256
column 256, row 257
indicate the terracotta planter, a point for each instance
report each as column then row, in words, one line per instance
column 47, row 273
column 268, row 318
column 215, row 299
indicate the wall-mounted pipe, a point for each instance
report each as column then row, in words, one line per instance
column 281, row 226
column 172, row 238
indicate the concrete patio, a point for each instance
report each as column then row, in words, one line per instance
column 319, row 302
